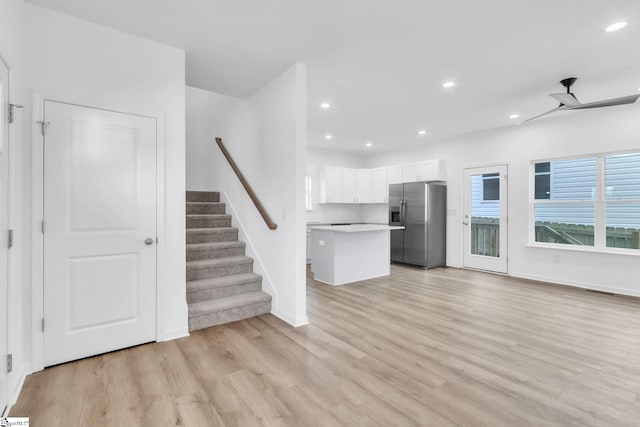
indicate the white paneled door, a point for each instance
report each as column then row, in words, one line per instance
column 4, row 229
column 485, row 218
column 99, row 231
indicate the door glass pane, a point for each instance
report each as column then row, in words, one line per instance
column 485, row 215
column 623, row 225
column 570, row 224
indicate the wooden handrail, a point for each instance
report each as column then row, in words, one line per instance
column 263, row 212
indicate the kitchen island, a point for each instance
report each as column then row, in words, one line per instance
column 343, row 254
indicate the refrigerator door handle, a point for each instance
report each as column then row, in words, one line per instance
column 403, row 212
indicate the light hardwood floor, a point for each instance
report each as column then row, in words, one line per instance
column 442, row 347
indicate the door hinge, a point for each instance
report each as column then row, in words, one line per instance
column 12, row 112
column 9, row 363
column 42, row 226
column 43, row 126
column 43, row 324
column 10, row 239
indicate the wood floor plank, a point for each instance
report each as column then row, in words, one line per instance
column 433, row 348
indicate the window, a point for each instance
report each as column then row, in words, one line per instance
column 542, row 177
column 307, row 193
column 490, row 187
column 622, row 200
column 592, row 202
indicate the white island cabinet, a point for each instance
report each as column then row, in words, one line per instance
column 348, row 253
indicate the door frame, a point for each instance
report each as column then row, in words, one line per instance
column 463, row 191
column 10, row 162
column 37, row 240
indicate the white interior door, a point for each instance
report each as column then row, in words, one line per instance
column 485, row 218
column 99, row 231
column 4, row 230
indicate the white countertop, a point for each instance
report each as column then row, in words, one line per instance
column 356, row 228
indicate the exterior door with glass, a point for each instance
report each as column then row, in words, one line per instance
column 485, row 218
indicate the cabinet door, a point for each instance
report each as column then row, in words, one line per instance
column 410, row 173
column 333, row 185
column 394, row 175
column 363, row 186
column 429, row 170
column 348, row 185
column 379, row 187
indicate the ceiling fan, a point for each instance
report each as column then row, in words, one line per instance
column 568, row 101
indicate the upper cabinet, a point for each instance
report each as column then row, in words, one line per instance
column 349, row 186
column 363, row 186
column 346, row 185
column 394, row 174
column 332, row 185
column 431, row 170
column 379, row 186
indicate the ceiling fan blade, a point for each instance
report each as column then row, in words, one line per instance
column 544, row 114
column 567, row 99
column 607, row 102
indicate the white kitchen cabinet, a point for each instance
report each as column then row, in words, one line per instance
column 379, row 188
column 431, row 170
column 394, row 175
column 349, row 185
column 363, row 186
column 332, row 185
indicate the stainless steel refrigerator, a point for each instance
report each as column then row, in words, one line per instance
column 421, row 207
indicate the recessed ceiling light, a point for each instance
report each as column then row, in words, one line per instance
column 422, row 132
column 615, row 27
column 325, row 105
column 368, row 144
column 514, row 116
column 328, row 136
column 447, row 85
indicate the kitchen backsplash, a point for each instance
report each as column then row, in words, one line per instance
column 375, row 214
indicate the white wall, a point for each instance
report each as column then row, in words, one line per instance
column 19, row 319
column 266, row 136
column 72, row 60
column 573, row 133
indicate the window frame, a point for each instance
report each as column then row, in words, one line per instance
column 599, row 203
column 493, row 177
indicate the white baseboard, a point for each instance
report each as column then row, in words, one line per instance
column 577, row 284
column 172, row 334
column 295, row 322
column 13, row 395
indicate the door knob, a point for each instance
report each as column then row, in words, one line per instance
column 148, row 241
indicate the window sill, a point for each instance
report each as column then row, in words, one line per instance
column 590, row 249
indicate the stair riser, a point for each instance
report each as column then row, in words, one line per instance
column 211, row 237
column 208, row 222
column 202, row 196
column 219, row 318
column 202, row 254
column 206, row 209
column 222, row 292
column 211, row 272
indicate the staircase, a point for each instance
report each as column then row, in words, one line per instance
column 221, row 284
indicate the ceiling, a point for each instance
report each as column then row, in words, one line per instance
column 381, row 64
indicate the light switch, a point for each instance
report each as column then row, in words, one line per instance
column 321, row 242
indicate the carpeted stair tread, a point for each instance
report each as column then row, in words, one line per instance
column 209, row 235
column 211, row 230
column 224, row 281
column 211, row 245
column 197, row 208
column 219, row 262
column 211, row 250
column 228, row 303
column 203, row 196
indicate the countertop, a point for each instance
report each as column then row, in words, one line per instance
column 355, row 228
